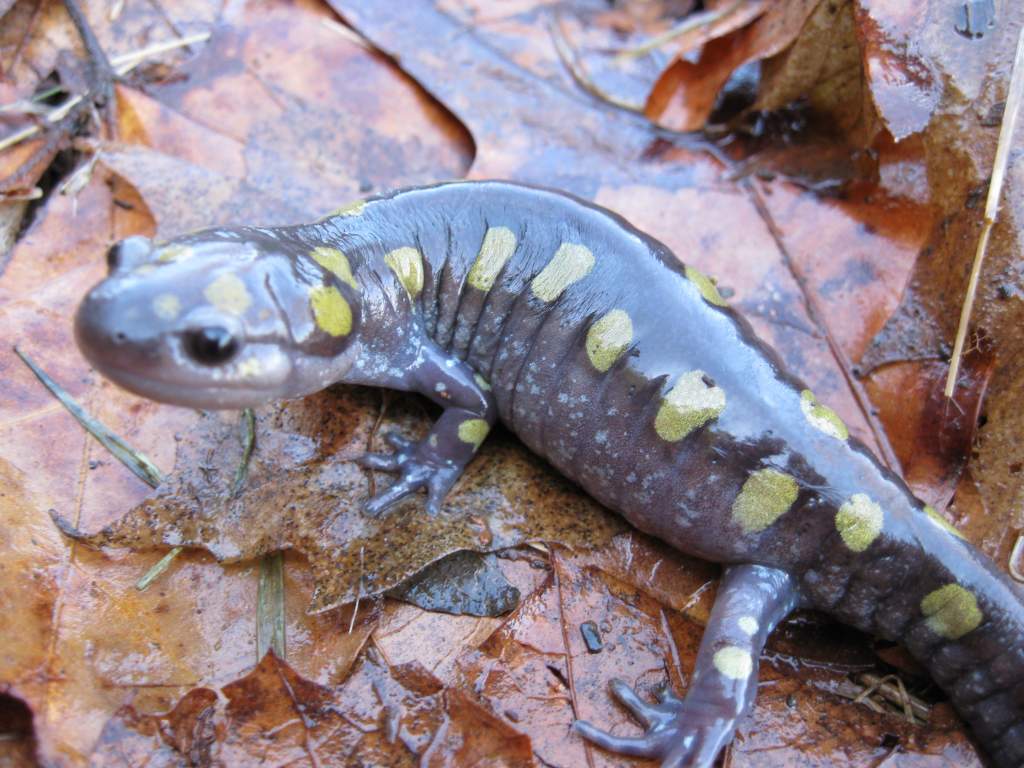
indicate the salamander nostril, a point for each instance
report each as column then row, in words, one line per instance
column 212, row 345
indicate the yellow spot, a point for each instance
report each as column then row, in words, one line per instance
column 690, row 404
column 228, row 294
column 608, row 338
column 706, row 286
column 330, row 310
column 749, row 625
column 821, row 416
column 482, row 382
column 765, row 497
column 166, row 306
column 144, row 269
column 939, row 520
column 175, row 252
column 351, row 209
column 407, row 263
column 250, row 367
column 473, row 431
column 951, row 611
column 498, row 245
column 733, row 662
column 859, row 521
column 571, row 262
column 336, row 262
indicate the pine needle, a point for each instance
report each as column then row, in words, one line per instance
column 995, row 187
column 138, row 463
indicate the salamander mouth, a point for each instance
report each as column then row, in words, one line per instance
column 190, row 393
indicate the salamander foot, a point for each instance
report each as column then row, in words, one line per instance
column 679, row 733
column 419, row 466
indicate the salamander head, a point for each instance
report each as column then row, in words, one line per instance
column 221, row 319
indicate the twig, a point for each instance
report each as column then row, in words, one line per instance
column 995, row 187
column 99, row 74
column 696, row 21
column 578, row 71
column 913, row 708
column 817, row 316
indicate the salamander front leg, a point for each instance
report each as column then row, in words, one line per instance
column 437, row 461
column 690, row 731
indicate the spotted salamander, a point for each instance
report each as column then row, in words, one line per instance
column 627, row 371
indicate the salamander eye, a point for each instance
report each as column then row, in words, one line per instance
column 128, row 253
column 212, row 345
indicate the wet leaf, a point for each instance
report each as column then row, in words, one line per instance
column 686, row 92
column 274, row 714
column 462, row 583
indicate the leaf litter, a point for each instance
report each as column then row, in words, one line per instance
column 783, row 262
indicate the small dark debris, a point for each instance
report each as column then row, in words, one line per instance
column 591, row 636
column 559, row 674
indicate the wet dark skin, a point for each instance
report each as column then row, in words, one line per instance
column 624, row 369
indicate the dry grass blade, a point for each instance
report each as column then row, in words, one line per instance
column 270, row 607
column 53, row 116
column 995, row 188
column 121, row 65
column 157, row 570
column 128, row 61
column 348, row 33
column 359, row 594
column 34, row 105
column 139, row 464
column 1015, row 557
column 248, row 443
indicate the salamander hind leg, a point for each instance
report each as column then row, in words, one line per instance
column 437, row 461
column 692, row 730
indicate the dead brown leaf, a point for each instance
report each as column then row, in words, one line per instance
column 274, row 715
